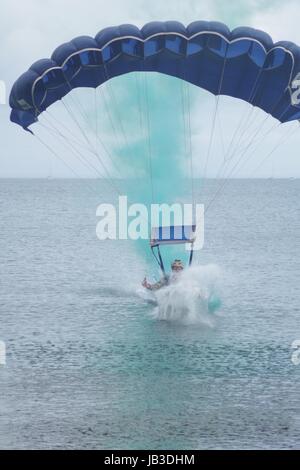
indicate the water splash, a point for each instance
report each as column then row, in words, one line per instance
column 192, row 299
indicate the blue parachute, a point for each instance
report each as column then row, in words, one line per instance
column 244, row 63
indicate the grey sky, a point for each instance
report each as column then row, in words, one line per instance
column 31, row 30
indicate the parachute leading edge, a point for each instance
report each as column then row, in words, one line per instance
column 243, row 63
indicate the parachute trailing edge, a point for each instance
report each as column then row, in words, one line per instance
column 243, row 63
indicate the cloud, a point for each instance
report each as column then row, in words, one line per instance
column 280, row 20
column 33, row 29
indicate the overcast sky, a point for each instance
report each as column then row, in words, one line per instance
column 33, row 29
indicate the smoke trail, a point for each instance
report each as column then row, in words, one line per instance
column 150, row 109
column 151, row 148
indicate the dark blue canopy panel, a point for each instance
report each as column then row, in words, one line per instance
column 243, row 63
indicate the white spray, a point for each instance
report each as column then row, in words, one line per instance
column 192, row 299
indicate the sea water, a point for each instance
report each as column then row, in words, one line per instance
column 91, row 364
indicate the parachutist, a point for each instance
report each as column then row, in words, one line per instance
column 176, row 267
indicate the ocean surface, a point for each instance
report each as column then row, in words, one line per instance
column 91, row 364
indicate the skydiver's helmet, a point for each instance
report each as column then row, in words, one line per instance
column 177, row 265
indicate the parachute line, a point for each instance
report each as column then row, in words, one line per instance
column 56, row 155
column 149, row 137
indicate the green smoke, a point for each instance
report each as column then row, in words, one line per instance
column 150, row 116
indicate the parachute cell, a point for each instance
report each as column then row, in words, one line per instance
column 244, row 64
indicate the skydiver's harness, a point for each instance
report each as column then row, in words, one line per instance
column 158, row 257
column 170, row 236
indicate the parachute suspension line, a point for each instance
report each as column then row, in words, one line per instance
column 76, row 102
column 257, row 137
column 244, row 124
column 98, row 138
column 96, row 152
column 247, row 125
column 57, row 156
column 184, row 118
column 149, row 136
column 85, row 117
column 114, row 100
column 73, row 139
column 243, row 150
column 235, row 167
column 97, row 131
column 257, row 133
column 96, row 121
column 119, row 193
column 110, row 91
column 146, row 128
column 112, row 95
column 142, row 109
column 210, row 144
column 251, row 121
column 86, row 138
column 221, row 136
column 190, row 142
column 251, row 136
column 252, row 142
column 77, row 123
column 138, row 89
column 159, row 259
column 110, row 117
column 188, row 149
column 71, row 114
column 54, row 131
column 213, row 127
column 248, row 135
column 185, row 126
column 89, row 143
column 57, row 121
column 82, row 158
column 239, row 127
column 79, row 144
column 281, row 142
column 238, row 147
column 211, row 138
column 223, row 176
column 145, row 123
column 107, row 180
column 145, row 132
column 226, row 159
column 252, row 96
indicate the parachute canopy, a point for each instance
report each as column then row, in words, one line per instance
column 243, row 63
